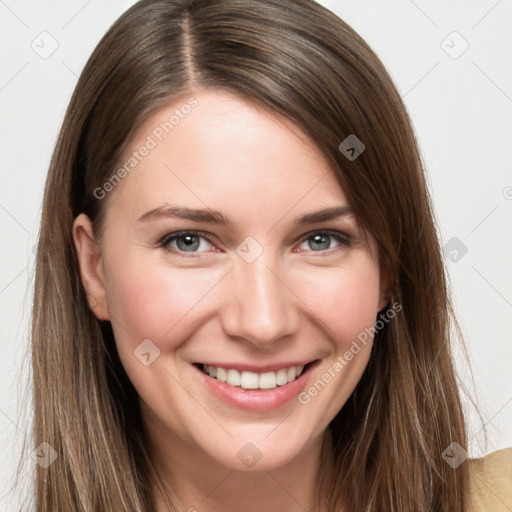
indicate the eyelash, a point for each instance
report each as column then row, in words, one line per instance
column 163, row 242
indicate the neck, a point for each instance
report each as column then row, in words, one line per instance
column 200, row 484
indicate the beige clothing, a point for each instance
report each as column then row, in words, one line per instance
column 491, row 482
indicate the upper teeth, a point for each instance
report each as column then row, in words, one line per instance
column 251, row 380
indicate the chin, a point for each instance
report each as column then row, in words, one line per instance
column 268, row 449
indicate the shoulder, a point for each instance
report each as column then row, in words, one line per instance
column 491, row 482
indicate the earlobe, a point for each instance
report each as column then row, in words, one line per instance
column 384, row 287
column 90, row 266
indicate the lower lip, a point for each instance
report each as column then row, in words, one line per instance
column 255, row 400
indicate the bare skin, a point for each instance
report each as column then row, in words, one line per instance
column 307, row 295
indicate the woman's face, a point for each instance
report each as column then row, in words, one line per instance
column 229, row 249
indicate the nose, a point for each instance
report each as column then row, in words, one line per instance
column 261, row 308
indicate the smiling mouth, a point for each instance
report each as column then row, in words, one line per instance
column 252, row 380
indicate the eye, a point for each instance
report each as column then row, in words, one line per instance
column 186, row 241
column 197, row 242
column 324, row 240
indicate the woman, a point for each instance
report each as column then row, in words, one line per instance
column 245, row 306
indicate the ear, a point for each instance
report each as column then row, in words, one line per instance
column 91, row 266
column 384, row 286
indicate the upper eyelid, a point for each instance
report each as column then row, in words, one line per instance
column 176, row 234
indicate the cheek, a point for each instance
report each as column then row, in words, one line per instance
column 344, row 300
column 153, row 301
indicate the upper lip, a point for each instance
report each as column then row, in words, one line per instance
column 257, row 369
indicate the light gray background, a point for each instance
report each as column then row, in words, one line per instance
column 461, row 108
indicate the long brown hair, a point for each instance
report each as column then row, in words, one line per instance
column 296, row 59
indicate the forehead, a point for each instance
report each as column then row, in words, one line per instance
column 215, row 149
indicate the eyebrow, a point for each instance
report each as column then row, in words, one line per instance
column 215, row 217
